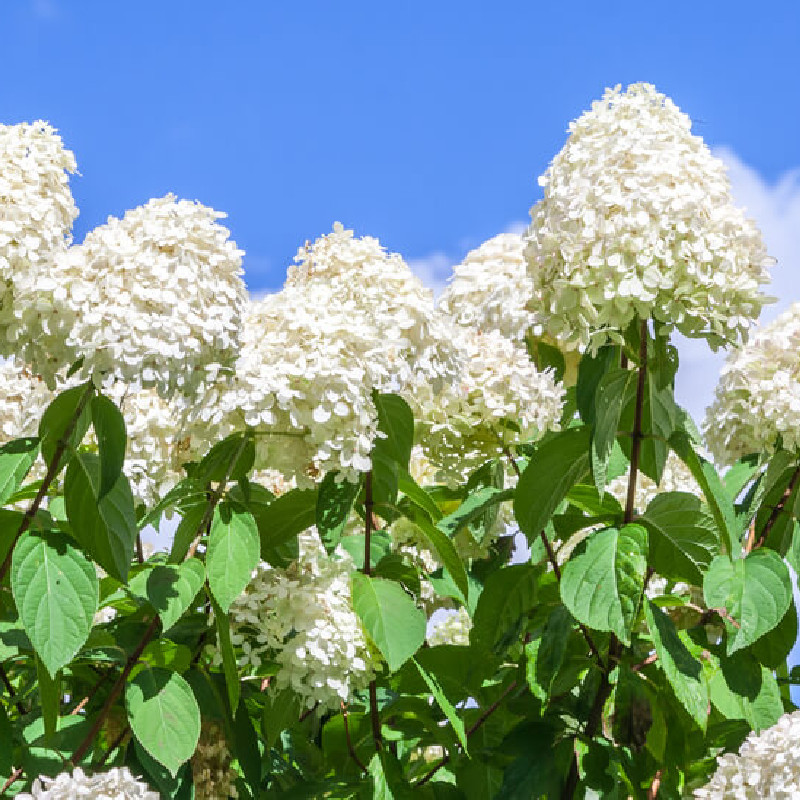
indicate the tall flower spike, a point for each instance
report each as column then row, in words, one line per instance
column 36, row 210
column 638, row 220
column 758, row 395
column 154, row 299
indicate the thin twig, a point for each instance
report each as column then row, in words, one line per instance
column 15, row 775
column 349, row 740
column 52, row 471
column 651, row 659
column 776, row 511
column 374, row 713
column 11, row 692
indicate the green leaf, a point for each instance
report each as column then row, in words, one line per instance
column 49, row 698
column 508, row 596
column 659, row 421
column 602, row 585
column 445, row 551
column 188, row 528
column 713, row 490
column 105, row 528
column 756, row 591
column 216, row 465
column 6, row 744
column 773, row 648
column 246, row 748
column 555, row 467
column 59, row 416
column 390, row 617
column 281, row 711
column 590, row 372
column 632, row 713
column 437, row 691
column 546, row 356
column 388, row 782
column 396, row 420
column 167, row 654
column 612, row 390
column 684, row 673
column 164, row 716
column 109, row 428
column 546, row 655
column 414, row 492
column 334, row 504
column 56, row 593
column 16, row 458
column 170, row 588
column 473, row 507
column 683, row 538
column 229, row 667
column 284, row 518
column 741, row 688
column 232, row 553
column 380, row 546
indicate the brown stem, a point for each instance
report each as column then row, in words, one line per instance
column 374, row 714
column 350, row 747
column 139, row 549
column 15, row 775
column 773, row 517
column 115, row 744
column 49, row 477
column 636, row 444
column 651, row 659
column 11, row 693
column 471, row 730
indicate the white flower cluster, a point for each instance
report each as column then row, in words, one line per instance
column 351, row 319
column 36, row 209
column 637, row 220
column 115, row 784
column 490, row 289
column 499, row 399
column 677, row 477
column 767, row 765
column 154, row 298
column 302, row 617
column 453, row 629
column 758, row 394
column 23, row 400
column 213, row 777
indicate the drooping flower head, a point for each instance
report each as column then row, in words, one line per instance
column 117, row 783
column 767, row 765
column 302, row 617
column 154, row 299
column 757, row 398
column 638, row 220
column 36, row 209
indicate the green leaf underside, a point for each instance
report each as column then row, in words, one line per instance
column 390, row 618
column 56, row 592
column 164, row 716
column 602, row 586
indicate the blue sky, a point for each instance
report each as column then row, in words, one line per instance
column 423, row 123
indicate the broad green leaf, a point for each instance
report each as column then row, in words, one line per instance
column 217, row 464
column 49, row 698
column 546, row 655
column 612, row 390
column 756, row 591
column 186, row 532
column 105, row 528
column 602, row 586
column 59, row 416
column 713, row 490
column 741, row 688
column 246, row 748
column 229, row 667
column 167, row 654
column 473, row 507
column 684, row 673
column 397, row 422
column 632, row 710
column 390, row 617
column 414, row 492
column 555, row 467
column 380, row 546
column 546, row 356
column 445, row 551
column 283, row 519
column 56, row 593
column 232, row 553
column 6, row 743
column 109, row 428
column 388, row 782
column 773, row 648
column 170, row 588
column 16, row 458
column 334, row 502
column 188, row 494
column 281, row 710
column 438, row 693
column 590, row 372
column 164, row 716
column 659, row 421
column 508, row 597
column 683, row 538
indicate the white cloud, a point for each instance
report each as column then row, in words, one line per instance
column 776, row 209
column 433, row 270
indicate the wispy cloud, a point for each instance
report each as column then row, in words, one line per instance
column 776, row 209
column 433, row 270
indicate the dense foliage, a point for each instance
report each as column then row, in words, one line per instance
column 473, row 550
